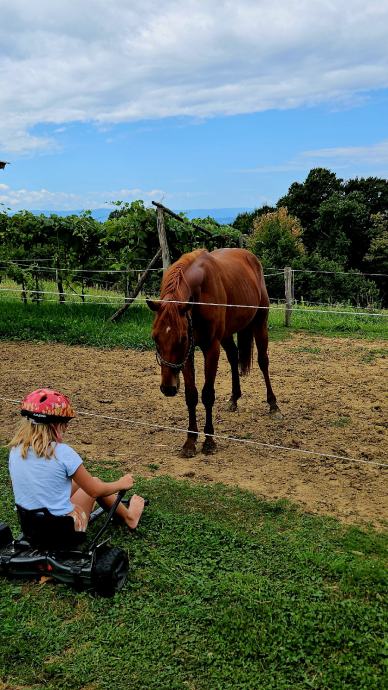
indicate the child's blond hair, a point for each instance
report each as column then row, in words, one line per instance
column 40, row 437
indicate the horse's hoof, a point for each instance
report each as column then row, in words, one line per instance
column 232, row 406
column 188, row 451
column 275, row 413
column 209, row 446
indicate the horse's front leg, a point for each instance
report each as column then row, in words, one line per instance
column 191, row 396
column 212, row 356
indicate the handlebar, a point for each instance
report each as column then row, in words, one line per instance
column 111, row 512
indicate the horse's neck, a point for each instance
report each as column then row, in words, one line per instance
column 182, row 287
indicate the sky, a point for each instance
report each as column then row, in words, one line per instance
column 194, row 103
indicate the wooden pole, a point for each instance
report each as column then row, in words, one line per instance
column 163, row 238
column 36, row 298
column 288, row 293
column 24, row 294
column 137, row 289
column 58, row 276
column 183, row 220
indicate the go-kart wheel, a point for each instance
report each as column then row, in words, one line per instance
column 110, row 570
column 6, row 537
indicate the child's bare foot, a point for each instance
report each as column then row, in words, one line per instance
column 134, row 512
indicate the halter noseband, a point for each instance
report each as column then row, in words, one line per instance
column 189, row 353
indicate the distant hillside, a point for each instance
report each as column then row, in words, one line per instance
column 225, row 216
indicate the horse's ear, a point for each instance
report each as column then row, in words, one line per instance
column 154, row 306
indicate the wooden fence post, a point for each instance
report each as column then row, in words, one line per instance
column 288, row 293
column 163, row 239
column 24, row 294
column 58, row 277
column 140, row 283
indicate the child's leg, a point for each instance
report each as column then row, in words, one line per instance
column 84, row 501
column 107, row 502
column 130, row 515
column 135, row 511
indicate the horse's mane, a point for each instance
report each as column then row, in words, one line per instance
column 172, row 284
column 174, row 276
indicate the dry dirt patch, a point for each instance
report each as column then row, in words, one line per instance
column 331, row 393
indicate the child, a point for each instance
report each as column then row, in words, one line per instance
column 47, row 473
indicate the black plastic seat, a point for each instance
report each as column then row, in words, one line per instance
column 47, row 531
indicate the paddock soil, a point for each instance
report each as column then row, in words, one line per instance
column 331, row 393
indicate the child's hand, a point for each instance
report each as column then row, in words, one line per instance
column 126, row 482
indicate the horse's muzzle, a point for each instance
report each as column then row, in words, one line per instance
column 169, row 391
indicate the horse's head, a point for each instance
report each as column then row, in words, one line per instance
column 173, row 336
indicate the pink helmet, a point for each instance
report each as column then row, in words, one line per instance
column 46, row 406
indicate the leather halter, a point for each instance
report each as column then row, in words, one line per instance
column 189, row 353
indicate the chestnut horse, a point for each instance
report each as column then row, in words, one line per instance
column 198, row 289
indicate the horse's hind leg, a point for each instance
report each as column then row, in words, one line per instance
column 211, row 356
column 231, row 350
column 261, row 339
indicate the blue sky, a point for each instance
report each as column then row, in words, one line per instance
column 197, row 104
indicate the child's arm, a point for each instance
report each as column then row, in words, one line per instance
column 95, row 487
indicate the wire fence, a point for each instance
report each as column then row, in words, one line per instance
column 224, row 437
column 44, row 269
column 114, row 300
column 274, row 270
column 115, row 287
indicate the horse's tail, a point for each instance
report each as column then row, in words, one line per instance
column 245, row 349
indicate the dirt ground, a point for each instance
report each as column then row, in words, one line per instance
column 332, row 394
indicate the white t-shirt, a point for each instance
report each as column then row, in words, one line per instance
column 42, row 482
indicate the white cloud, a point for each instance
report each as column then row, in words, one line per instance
column 109, row 62
column 365, row 158
column 46, row 199
column 376, row 154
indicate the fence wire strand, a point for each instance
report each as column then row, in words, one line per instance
column 205, row 304
column 224, row 437
column 139, row 270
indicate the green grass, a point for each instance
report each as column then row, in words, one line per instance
column 369, row 357
column 226, row 591
column 331, row 322
column 76, row 324
column 88, row 324
column 340, row 422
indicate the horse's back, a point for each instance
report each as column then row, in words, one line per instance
column 234, row 277
column 241, row 273
column 234, row 259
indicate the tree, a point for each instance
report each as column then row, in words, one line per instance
column 277, row 238
column 130, row 236
column 318, row 279
column 341, row 229
column 374, row 191
column 244, row 221
column 303, row 200
column 377, row 256
column 42, row 243
column 277, row 241
column 376, row 259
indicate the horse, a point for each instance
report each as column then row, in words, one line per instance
column 206, row 298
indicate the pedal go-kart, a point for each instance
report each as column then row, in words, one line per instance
column 50, row 546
